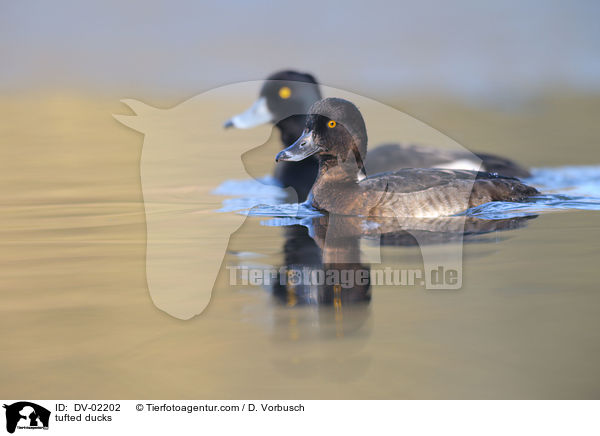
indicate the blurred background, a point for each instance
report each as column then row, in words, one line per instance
column 516, row 78
column 532, row 65
column 468, row 48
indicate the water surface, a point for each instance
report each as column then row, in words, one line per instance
column 78, row 321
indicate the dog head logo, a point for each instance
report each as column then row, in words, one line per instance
column 26, row 415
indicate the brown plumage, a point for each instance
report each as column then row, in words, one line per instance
column 336, row 134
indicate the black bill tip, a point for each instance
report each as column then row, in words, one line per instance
column 282, row 155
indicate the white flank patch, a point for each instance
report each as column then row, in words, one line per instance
column 462, row 164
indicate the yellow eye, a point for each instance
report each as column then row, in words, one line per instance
column 285, row 92
column 331, row 124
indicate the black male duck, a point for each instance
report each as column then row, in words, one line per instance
column 286, row 97
column 336, row 134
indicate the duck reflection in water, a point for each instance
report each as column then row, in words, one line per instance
column 323, row 270
column 323, row 265
column 322, row 330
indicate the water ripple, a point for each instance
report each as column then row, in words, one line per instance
column 576, row 181
column 563, row 188
column 533, row 206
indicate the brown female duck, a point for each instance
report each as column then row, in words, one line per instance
column 336, row 134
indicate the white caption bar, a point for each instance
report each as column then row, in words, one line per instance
column 299, row 417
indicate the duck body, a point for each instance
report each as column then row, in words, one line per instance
column 335, row 132
column 411, row 192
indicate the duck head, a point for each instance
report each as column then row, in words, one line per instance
column 335, row 131
column 284, row 94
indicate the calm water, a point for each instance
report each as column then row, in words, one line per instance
column 78, row 321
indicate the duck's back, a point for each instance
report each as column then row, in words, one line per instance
column 390, row 157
